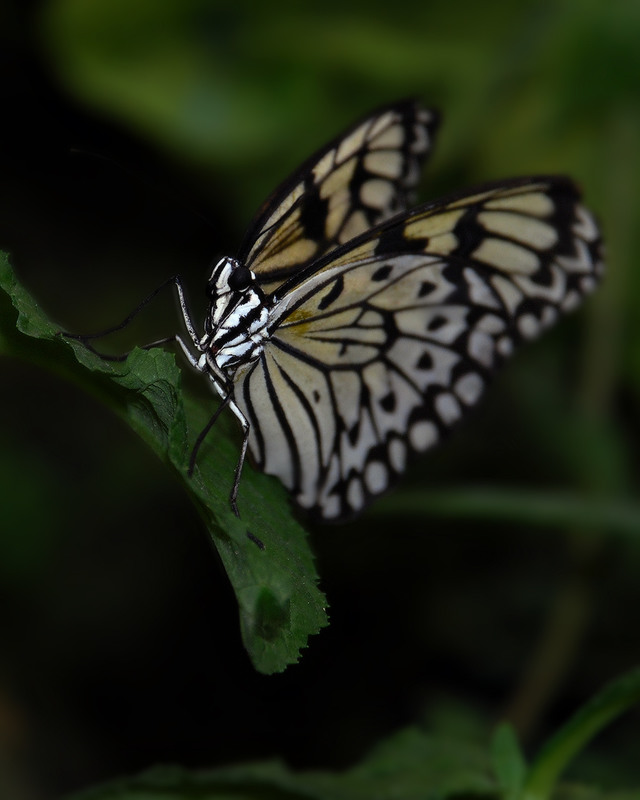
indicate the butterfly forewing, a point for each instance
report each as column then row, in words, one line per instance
column 379, row 347
column 362, row 178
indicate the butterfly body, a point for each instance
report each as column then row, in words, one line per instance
column 351, row 332
column 236, row 324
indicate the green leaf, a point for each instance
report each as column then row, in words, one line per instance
column 412, row 764
column 265, row 552
column 613, row 700
column 508, row 761
column 409, row 766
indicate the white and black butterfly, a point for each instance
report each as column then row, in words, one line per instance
column 349, row 332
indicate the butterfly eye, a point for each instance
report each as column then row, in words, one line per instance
column 240, row 279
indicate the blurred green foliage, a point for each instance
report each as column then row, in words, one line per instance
column 408, row 766
column 118, row 640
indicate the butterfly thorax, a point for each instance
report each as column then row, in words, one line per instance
column 236, row 325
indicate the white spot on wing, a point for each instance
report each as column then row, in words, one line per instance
column 506, row 256
column 510, row 295
column 479, row 292
column 338, row 178
column 397, row 454
column 580, row 262
column 386, row 163
column 324, row 166
column 381, row 123
column 571, row 301
column 469, row 388
column 376, row 193
column 422, row 435
column 552, row 291
column 537, row 204
column 586, row 225
column 376, row 477
column 504, row 346
column 392, row 138
column 549, row 316
column 448, row 408
column 529, row 326
column 491, row 323
column 355, row 225
column 330, row 507
column 525, row 229
column 371, row 319
column 351, row 144
column 421, row 142
column 481, row 348
column 355, row 494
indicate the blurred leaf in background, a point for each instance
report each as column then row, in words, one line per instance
column 138, row 139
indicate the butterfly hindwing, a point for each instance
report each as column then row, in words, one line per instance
column 362, row 178
column 380, row 346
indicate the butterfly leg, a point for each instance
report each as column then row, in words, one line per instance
column 243, row 453
column 195, row 362
column 226, row 401
column 186, row 316
column 188, row 324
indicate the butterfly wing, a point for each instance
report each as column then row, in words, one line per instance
column 360, row 179
column 384, row 344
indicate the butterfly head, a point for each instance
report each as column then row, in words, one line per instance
column 231, row 286
column 228, row 276
column 236, row 323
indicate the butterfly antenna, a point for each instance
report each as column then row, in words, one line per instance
column 85, row 337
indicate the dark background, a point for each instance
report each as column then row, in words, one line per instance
column 136, row 141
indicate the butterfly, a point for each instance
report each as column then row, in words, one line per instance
column 350, row 332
